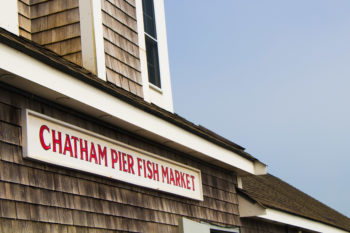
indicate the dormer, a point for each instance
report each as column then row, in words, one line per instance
column 110, row 38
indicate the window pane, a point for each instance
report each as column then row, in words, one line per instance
column 152, row 61
column 148, row 18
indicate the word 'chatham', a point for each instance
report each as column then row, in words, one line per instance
column 92, row 152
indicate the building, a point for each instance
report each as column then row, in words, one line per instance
column 89, row 141
column 265, row 200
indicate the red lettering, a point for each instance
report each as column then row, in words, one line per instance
column 172, row 176
column 139, row 165
column 150, row 173
column 144, row 169
column 56, row 141
column 177, row 178
column 155, row 171
column 102, row 155
column 68, row 146
column 188, row 181
column 41, row 136
column 75, row 139
column 84, row 150
column 192, row 177
column 131, row 164
column 93, row 153
column 120, row 160
column 165, row 174
column 183, row 179
column 114, row 157
column 124, row 162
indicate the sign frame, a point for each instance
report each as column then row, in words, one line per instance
column 33, row 136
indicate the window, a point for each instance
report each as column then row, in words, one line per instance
column 151, row 42
column 189, row 226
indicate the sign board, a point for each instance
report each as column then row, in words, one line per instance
column 56, row 142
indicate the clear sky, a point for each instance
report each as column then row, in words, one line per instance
column 274, row 77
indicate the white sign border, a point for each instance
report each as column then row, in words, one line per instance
column 25, row 140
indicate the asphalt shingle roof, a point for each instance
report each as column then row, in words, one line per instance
column 273, row 192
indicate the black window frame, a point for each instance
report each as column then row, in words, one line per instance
column 151, row 42
column 219, row 231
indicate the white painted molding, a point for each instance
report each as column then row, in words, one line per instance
column 92, row 41
column 43, row 80
column 87, row 36
column 9, row 16
column 260, row 169
column 286, row 218
column 239, row 182
column 189, row 226
column 164, row 98
column 142, row 50
column 248, row 208
column 99, row 40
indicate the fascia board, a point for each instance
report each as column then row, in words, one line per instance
column 43, row 80
column 290, row 219
column 248, row 207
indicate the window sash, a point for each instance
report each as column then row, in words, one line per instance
column 152, row 61
column 149, row 20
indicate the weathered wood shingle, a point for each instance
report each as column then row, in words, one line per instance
column 35, row 195
column 121, row 45
column 53, row 24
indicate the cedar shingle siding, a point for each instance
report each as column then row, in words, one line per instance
column 54, row 24
column 121, row 45
column 38, row 197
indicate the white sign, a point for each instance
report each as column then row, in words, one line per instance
column 56, row 142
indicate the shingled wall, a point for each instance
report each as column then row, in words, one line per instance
column 55, row 24
column 121, row 45
column 38, row 197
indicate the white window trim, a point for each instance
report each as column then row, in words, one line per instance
column 92, row 40
column 154, row 87
column 164, row 98
column 9, row 16
column 189, row 226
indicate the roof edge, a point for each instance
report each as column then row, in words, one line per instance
column 284, row 212
column 50, row 58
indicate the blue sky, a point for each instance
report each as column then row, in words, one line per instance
column 274, row 77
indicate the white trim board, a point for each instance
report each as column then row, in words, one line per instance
column 92, row 37
column 158, row 96
column 45, row 81
column 249, row 208
column 9, row 16
column 286, row 218
column 190, row 226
